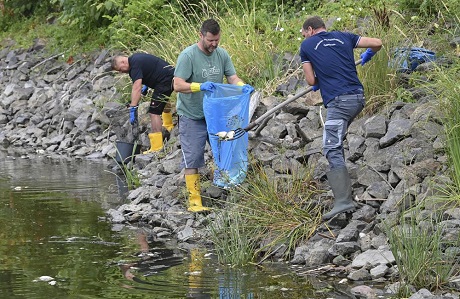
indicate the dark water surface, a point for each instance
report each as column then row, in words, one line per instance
column 55, row 242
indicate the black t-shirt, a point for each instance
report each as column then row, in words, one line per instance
column 152, row 70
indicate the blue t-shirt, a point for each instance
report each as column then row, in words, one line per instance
column 152, row 70
column 332, row 59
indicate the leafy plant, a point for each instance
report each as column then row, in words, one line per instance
column 87, row 14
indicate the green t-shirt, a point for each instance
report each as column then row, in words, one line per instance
column 195, row 66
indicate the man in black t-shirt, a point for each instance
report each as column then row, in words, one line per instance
column 146, row 70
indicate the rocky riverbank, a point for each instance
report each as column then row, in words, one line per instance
column 61, row 105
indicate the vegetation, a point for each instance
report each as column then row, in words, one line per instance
column 420, row 253
column 278, row 208
column 126, row 163
column 268, row 206
column 446, row 81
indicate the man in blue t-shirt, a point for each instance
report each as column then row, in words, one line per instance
column 148, row 71
column 328, row 64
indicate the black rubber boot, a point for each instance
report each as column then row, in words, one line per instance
column 340, row 183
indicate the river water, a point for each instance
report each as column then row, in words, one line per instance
column 55, row 242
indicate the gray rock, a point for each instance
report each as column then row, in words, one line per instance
column 378, row 271
column 359, row 275
column 397, row 129
column 375, row 126
column 363, row 291
column 374, row 257
column 350, row 232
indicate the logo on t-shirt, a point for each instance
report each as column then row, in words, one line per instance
column 210, row 72
column 328, row 42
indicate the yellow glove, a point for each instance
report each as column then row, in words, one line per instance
column 195, row 87
column 240, row 83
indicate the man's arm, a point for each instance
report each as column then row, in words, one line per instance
column 309, row 73
column 234, row 79
column 180, row 85
column 136, row 92
column 370, row 42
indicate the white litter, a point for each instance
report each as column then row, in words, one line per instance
column 225, row 135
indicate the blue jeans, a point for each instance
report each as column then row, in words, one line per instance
column 340, row 113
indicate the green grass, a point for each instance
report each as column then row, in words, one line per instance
column 276, row 210
column 419, row 250
column 449, row 96
column 233, row 240
column 130, row 175
column 251, row 38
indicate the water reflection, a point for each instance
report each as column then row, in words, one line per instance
column 150, row 261
column 53, row 224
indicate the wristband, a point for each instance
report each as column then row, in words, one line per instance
column 195, row 87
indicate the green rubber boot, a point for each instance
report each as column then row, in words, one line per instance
column 340, row 183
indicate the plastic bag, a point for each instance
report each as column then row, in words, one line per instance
column 226, row 109
column 406, row 60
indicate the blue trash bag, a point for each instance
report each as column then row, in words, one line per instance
column 226, row 109
column 406, row 60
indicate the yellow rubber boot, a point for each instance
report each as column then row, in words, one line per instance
column 156, row 142
column 167, row 120
column 192, row 181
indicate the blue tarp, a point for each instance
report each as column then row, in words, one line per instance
column 226, row 109
column 406, row 60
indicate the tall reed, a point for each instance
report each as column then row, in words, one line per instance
column 251, row 37
column 419, row 250
column 277, row 211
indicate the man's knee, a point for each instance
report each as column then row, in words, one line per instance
column 333, row 134
column 157, row 107
column 333, row 142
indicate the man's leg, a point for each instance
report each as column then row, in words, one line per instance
column 156, row 136
column 167, row 117
column 340, row 112
column 193, row 136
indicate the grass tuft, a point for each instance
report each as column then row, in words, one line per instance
column 271, row 211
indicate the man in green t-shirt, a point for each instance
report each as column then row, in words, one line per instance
column 197, row 67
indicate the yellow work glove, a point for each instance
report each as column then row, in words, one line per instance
column 195, row 87
column 206, row 86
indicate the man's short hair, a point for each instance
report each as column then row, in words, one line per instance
column 314, row 22
column 210, row 26
column 115, row 61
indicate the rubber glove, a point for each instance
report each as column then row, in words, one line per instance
column 133, row 115
column 207, row 86
column 247, row 88
column 366, row 56
column 314, row 87
column 144, row 90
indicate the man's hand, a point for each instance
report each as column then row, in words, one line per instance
column 366, row 56
column 144, row 90
column 207, row 86
column 247, row 88
column 133, row 115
